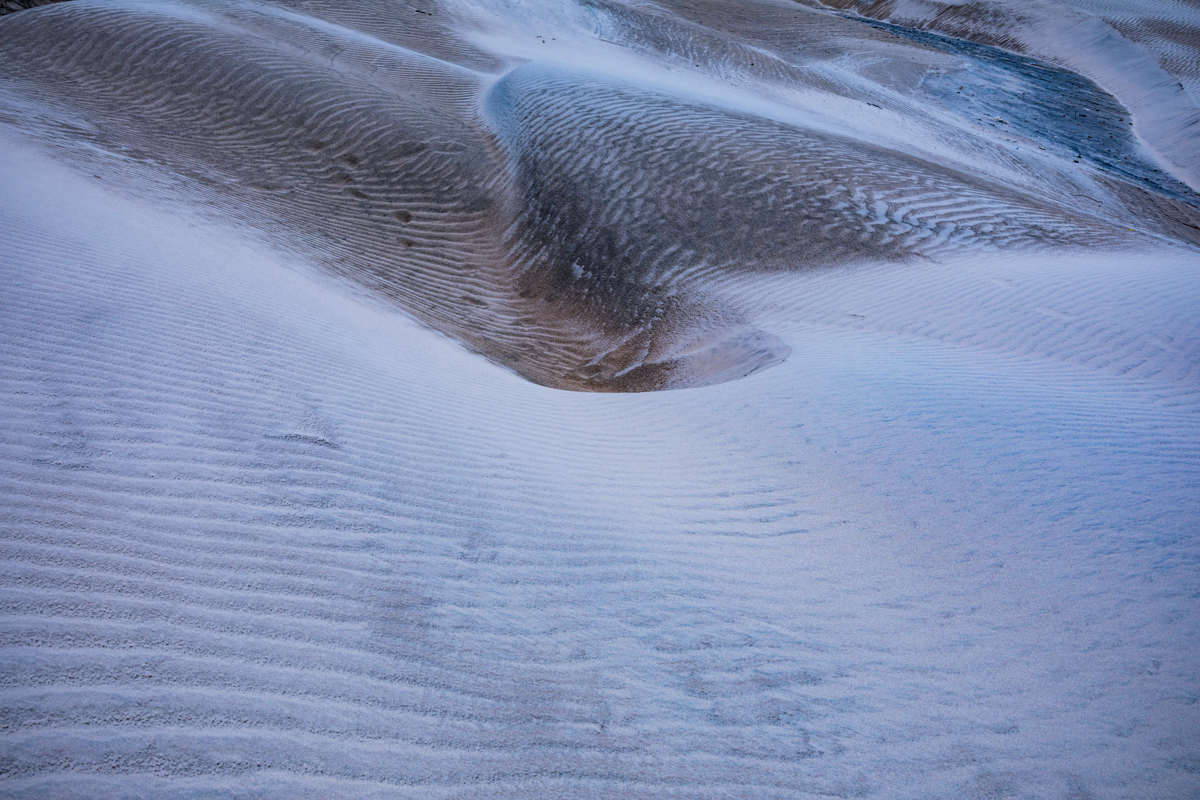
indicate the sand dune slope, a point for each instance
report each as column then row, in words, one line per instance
column 289, row 506
column 573, row 216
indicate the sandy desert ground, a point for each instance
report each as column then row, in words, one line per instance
column 586, row 399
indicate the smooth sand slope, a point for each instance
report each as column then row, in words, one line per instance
column 293, row 505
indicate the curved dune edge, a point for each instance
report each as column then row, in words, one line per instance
column 1139, row 52
column 572, row 224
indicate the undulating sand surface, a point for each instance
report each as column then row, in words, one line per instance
column 293, row 503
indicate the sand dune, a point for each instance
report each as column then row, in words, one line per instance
column 566, row 222
column 292, row 505
column 1143, row 54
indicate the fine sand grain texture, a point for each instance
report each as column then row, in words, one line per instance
column 293, row 503
column 576, row 222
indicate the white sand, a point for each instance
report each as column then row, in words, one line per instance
column 262, row 538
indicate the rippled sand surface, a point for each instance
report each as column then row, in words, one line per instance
column 574, row 217
column 293, row 503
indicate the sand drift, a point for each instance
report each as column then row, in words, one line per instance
column 574, row 218
column 292, row 505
